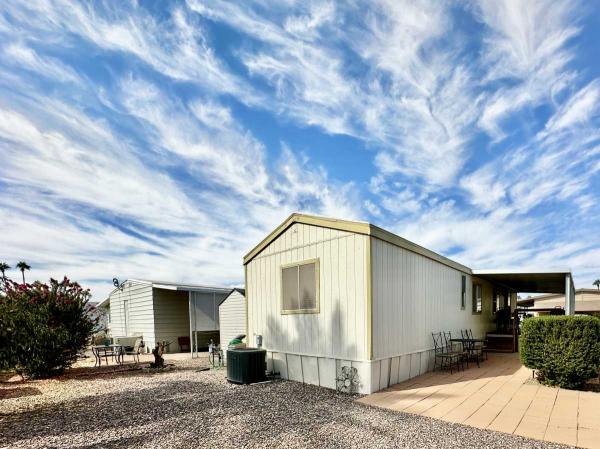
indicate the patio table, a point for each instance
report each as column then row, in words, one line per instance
column 468, row 340
column 116, row 351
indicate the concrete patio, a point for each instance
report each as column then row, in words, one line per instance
column 500, row 396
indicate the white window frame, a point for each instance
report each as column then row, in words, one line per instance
column 317, row 307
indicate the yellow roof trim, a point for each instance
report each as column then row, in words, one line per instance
column 356, row 227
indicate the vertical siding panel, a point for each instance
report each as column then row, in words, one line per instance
column 361, row 294
column 322, row 319
column 343, row 293
column 326, row 292
column 414, row 296
column 351, row 292
column 339, row 330
column 335, row 294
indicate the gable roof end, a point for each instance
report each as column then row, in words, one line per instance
column 357, row 227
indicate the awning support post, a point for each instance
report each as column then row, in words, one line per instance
column 569, row 295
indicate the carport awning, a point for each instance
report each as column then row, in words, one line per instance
column 524, row 281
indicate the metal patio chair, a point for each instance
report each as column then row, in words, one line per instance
column 461, row 351
column 473, row 353
column 446, row 359
column 482, row 345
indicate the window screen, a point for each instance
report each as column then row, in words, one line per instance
column 476, row 298
column 308, row 286
column 289, row 280
column 299, row 288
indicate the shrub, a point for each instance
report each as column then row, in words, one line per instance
column 43, row 327
column 564, row 350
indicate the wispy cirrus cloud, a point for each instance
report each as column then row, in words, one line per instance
column 164, row 141
column 528, row 44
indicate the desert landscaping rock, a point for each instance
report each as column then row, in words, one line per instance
column 189, row 408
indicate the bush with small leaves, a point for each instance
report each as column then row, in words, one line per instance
column 564, row 350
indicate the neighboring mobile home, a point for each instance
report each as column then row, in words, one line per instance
column 232, row 317
column 328, row 293
column 166, row 311
column 587, row 300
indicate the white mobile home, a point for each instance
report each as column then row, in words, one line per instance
column 232, row 317
column 328, row 293
column 185, row 315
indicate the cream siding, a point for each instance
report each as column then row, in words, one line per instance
column 131, row 312
column 232, row 318
column 339, row 329
column 171, row 316
column 414, row 296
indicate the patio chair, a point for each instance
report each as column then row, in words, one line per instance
column 481, row 345
column 135, row 350
column 446, row 359
column 452, row 348
column 473, row 353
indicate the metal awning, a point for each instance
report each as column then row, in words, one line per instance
column 535, row 281
column 527, row 281
column 182, row 287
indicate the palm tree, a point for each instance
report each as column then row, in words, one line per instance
column 597, row 283
column 3, row 267
column 23, row 266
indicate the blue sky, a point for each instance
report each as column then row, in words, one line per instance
column 164, row 140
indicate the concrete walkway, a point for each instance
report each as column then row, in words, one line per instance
column 499, row 396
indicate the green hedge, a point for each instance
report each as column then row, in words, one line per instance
column 564, row 350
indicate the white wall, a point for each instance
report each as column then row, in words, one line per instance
column 338, row 331
column 232, row 318
column 414, row 296
column 137, row 297
column 171, row 316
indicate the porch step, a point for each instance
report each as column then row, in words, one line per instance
column 499, row 342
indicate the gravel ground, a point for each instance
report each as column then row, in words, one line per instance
column 188, row 408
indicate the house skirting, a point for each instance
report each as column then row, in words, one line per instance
column 373, row 375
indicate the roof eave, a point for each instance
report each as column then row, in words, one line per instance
column 356, row 227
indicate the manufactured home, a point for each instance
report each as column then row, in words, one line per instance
column 587, row 300
column 184, row 315
column 326, row 293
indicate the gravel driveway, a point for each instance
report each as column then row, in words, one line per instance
column 186, row 408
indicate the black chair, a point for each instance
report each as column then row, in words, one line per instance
column 446, row 359
column 473, row 353
column 464, row 356
column 481, row 345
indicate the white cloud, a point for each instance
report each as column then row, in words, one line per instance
column 175, row 46
column 580, row 108
column 401, row 77
column 67, row 163
column 25, row 57
column 527, row 43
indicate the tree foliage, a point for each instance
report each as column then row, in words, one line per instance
column 43, row 327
